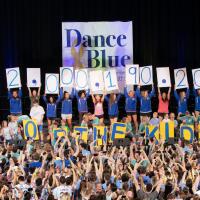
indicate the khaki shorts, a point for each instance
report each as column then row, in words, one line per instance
column 66, row 116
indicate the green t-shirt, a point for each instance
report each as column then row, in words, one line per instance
column 129, row 127
column 189, row 120
column 96, row 121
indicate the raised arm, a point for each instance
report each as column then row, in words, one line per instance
column 9, row 94
column 125, row 92
column 93, row 98
column 76, row 93
column 118, row 97
column 29, row 92
column 188, row 93
column 102, row 98
column 176, row 95
column 58, row 99
column 39, row 90
column 168, row 94
column 194, row 92
column 137, row 92
column 61, row 93
column 152, row 92
column 20, row 93
column 45, row 98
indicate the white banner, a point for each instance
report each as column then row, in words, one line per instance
column 13, row 78
column 146, row 75
column 97, row 44
column 163, row 77
column 81, row 79
column 51, row 83
column 121, row 78
column 196, row 78
column 110, row 80
column 132, row 74
column 66, row 77
column 33, row 77
column 96, row 81
column 180, row 76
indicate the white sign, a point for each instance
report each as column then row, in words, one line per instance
column 196, row 78
column 52, row 83
column 81, row 79
column 146, row 75
column 97, row 44
column 180, row 76
column 132, row 74
column 110, row 80
column 120, row 78
column 96, row 81
column 33, row 77
column 66, row 77
column 163, row 77
column 13, row 78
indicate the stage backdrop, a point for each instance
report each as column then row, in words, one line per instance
column 97, row 44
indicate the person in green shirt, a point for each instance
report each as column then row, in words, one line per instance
column 142, row 125
column 188, row 119
column 93, row 119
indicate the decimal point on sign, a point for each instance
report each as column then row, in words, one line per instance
column 34, row 81
column 97, row 84
column 164, row 81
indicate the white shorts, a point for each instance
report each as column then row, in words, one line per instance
column 66, row 116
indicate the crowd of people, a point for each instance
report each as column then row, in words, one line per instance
column 70, row 168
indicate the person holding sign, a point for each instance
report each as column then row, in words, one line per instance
column 182, row 99
column 66, row 111
column 82, row 96
column 145, row 101
column 37, row 113
column 130, row 107
column 34, row 95
column 98, row 106
column 15, row 102
column 197, row 101
column 51, row 109
column 113, row 110
column 163, row 106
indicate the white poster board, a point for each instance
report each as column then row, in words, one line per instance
column 66, row 77
column 110, row 80
column 146, row 75
column 163, row 77
column 33, row 77
column 132, row 74
column 121, row 78
column 13, row 78
column 51, row 83
column 196, row 78
column 180, row 76
column 81, row 79
column 96, row 81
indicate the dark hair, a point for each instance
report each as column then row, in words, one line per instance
column 62, row 180
column 21, row 178
column 38, row 182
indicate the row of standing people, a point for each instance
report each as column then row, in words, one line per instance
column 131, row 98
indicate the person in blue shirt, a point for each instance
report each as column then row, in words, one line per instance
column 182, row 99
column 145, row 101
column 113, row 110
column 51, row 109
column 66, row 110
column 130, row 107
column 81, row 97
column 197, row 101
column 15, row 102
